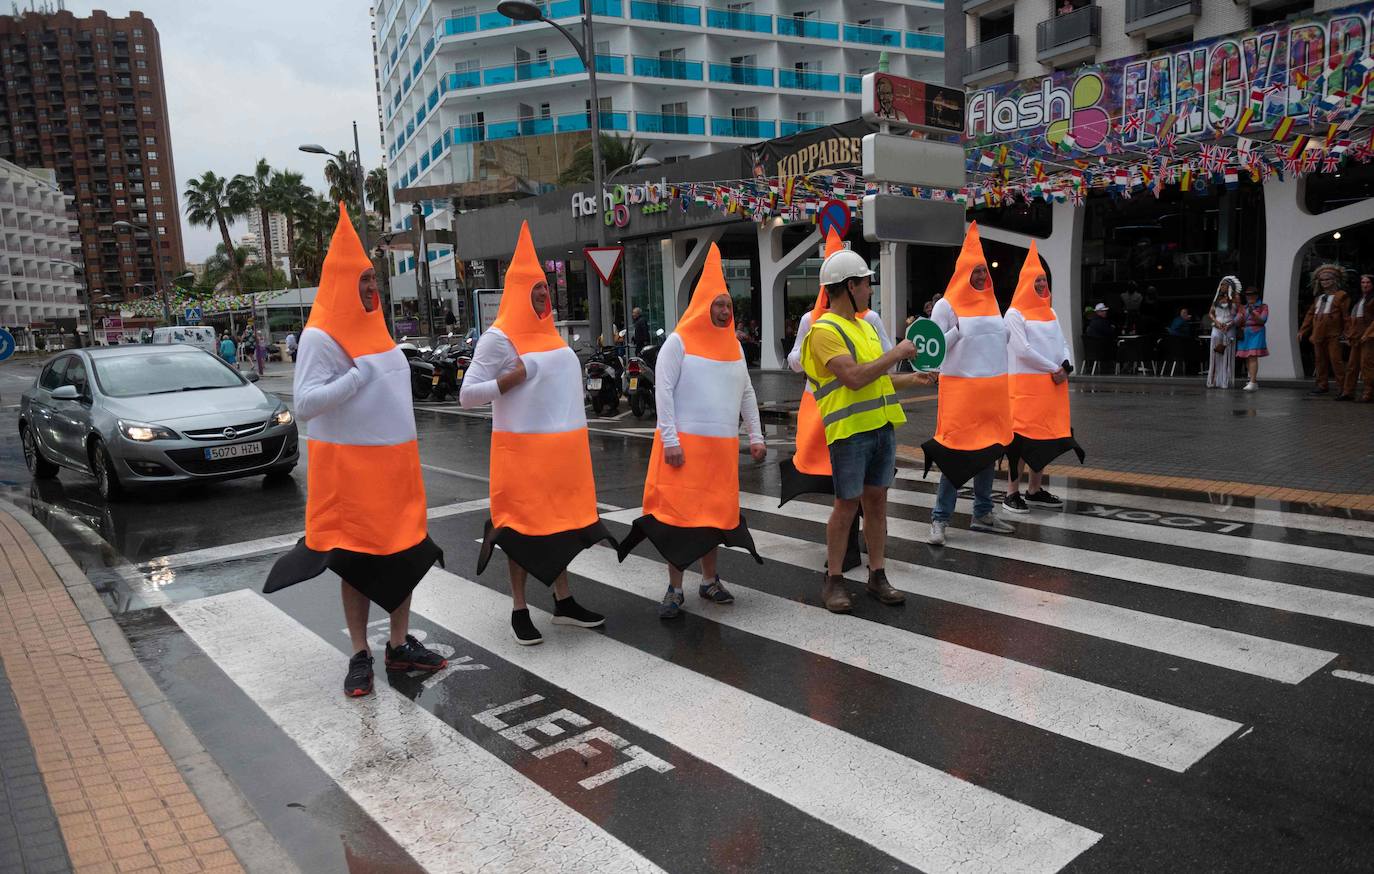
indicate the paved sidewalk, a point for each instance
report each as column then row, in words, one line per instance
column 110, row 797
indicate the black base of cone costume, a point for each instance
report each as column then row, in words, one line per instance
column 544, row 557
column 684, row 546
column 1037, row 454
column 386, row 580
column 795, row 484
column 958, row 465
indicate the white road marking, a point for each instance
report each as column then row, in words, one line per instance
column 395, row 759
column 1352, row 675
column 1308, row 601
column 477, row 477
column 918, row 814
column 1260, row 656
column 1251, row 547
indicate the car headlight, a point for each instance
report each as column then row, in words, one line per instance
column 282, row 417
column 144, row 433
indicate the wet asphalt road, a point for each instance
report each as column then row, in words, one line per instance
column 1146, row 682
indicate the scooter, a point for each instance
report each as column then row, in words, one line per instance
column 447, row 376
column 640, row 374
column 603, row 373
column 421, row 371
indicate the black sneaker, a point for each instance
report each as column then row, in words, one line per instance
column 525, row 632
column 566, row 611
column 414, row 656
column 1318, row 391
column 1014, row 503
column 358, row 682
column 1044, row 500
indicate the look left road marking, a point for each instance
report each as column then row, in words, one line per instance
column 490, row 815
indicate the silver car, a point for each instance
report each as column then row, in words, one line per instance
column 150, row 415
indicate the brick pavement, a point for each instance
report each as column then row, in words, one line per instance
column 120, row 802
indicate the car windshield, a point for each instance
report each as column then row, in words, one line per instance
column 128, row 376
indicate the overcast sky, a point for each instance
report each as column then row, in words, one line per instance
column 249, row 79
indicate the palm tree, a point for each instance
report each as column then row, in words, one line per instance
column 255, row 192
column 314, row 225
column 208, row 204
column 228, row 259
column 378, row 192
column 616, row 152
column 342, row 177
column 290, row 196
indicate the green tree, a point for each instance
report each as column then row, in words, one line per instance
column 343, row 180
column 291, row 197
column 208, row 204
column 616, row 152
column 314, row 228
column 249, row 192
column 378, row 192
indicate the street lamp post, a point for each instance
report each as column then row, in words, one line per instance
column 85, row 301
column 637, row 164
column 156, row 234
column 598, row 305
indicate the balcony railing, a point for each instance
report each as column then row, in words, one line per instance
column 666, row 13
column 925, row 42
column 994, row 54
column 574, row 121
column 738, row 74
column 525, row 127
column 747, row 128
column 1080, row 29
column 667, row 68
column 728, row 19
column 853, row 84
column 809, row 28
column 1148, row 14
column 870, row 35
column 661, row 123
column 807, row 80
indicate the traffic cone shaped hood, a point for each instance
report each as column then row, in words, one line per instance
column 338, row 309
column 527, row 330
column 699, row 335
column 1029, row 304
column 833, row 244
column 962, row 296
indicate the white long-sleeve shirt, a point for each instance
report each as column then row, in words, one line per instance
column 325, row 376
column 494, row 357
column 794, row 357
column 668, row 372
column 1035, row 356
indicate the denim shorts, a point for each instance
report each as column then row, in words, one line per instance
column 868, row 458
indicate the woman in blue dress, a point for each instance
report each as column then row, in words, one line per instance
column 1251, row 345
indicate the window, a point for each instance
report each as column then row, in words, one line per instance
column 150, row 141
column 138, row 48
column 138, row 33
column 119, row 186
column 141, row 64
column 52, row 374
column 544, row 110
column 143, row 80
column 75, row 374
column 147, row 110
column 152, row 171
column 157, row 200
column 160, row 216
column 155, row 186
column 152, row 156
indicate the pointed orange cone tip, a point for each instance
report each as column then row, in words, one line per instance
column 962, row 296
column 699, row 335
column 338, row 308
column 833, row 244
column 1026, row 301
column 527, row 330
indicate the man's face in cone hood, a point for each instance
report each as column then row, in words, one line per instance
column 1042, row 286
column 539, row 298
column 722, row 309
column 367, row 289
column 979, row 278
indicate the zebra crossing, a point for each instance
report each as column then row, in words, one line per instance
column 1095, row 692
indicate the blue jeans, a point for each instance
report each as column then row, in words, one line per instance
column 946, row 495
column 868, row 458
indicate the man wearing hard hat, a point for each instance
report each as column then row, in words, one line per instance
column 848, row 371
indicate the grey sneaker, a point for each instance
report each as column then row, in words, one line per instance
column 716, row 592
column 992, row 524
column 937, row 533
column 671, row 605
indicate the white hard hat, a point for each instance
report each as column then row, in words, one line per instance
column 844, row 264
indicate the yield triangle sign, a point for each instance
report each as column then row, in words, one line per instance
column 604, row 259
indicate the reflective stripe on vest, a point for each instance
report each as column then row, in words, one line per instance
column 844, row 411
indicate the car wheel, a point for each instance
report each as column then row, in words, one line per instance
column 106, row 480
column 38, row 466
column 279, row 474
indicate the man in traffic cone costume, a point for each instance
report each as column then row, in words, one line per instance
column 543, row 497
column 973, row 422
column 1040, row 360
column 808, row 470
column 365, row 515
column 691, row 492
column 857, row 402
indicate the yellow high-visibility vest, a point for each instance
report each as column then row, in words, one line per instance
column 845, row 411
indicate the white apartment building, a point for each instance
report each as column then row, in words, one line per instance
column 276, row 223
column 687, row 78
column 39, row 250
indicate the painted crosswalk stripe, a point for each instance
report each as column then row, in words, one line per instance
column 1251, row 547
column 1131, row 725
column 918, row 814
column 1306, row 600
column 1259, row 656
column 1325, row 524
column 451, row 804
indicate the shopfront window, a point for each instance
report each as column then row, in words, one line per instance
column 643, row 278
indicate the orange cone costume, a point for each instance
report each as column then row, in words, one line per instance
column 691, row 509
column 973, row 422
column 543, row 497
column 365, row 513
column 1036, row 348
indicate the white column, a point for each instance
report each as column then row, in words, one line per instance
column 689, row 250
column 774, row 265
column 894, row 288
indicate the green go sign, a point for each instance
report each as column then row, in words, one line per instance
column 930, row 344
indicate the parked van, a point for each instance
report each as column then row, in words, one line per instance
column 199, row 336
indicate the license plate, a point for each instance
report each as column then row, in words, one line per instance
column 238, row 450
column 634, row 383
column 593, row 385
column 460, row 373
column 436, row 379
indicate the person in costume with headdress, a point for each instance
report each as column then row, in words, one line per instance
column 691, row 492
column 973, row 420
column 808, row 470
column 365, row 515
column 543, row 497
column 857, row 402
column 1222, row 343
column 1040, row 361
column 1325, row 325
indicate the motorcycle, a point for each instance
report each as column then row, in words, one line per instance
column 421, row 371
column 451, row 361
column 640, row 379
column 603, row 373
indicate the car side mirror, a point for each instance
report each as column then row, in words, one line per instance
column 66, row 393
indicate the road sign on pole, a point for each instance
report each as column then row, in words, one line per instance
column 930, row 344
column 194, row 315
column 835, row 214
column 604, row 260
column 6, row 344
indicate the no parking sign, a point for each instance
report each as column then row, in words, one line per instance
column 835, row 214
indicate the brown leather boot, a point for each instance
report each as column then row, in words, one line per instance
column 880, row 588
column 834, row 596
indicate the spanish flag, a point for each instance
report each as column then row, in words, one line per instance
column 1035, row 349
column 693, row 508
column 973, row 420
column 543, row 497
column 365, row 513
